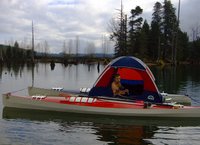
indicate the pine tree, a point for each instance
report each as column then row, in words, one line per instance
column 135, row 26
column 16, row 45
column 155, row 34
column 169, row 25
column 183, row 46
column 144, row 40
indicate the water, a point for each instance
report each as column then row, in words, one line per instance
column 23, row 127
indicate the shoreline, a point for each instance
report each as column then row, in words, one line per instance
column 91, row 60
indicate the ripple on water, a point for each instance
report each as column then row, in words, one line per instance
column 25, row 132
column 176, row 135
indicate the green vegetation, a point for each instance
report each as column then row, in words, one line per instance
column 161, row 40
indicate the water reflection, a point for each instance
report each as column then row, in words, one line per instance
column 15, row 69
column 105, row 129
column 111, row 130
column 124, row 134
column 176, row 135
column 98, row 67
column 52, row 65
column 89, row 67
column 169, row 79
column 173, row 79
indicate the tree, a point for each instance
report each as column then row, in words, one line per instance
column 1, row 54
column 29, row 54
column 169, row 25
column 143, row 40
column 135, row 26
column 183, row 46
column 105, row 45
column 16, row 45
column 195, row 50
column 90, row 49
column 160, row 41
column 9, row 53
column 155, row 34
column 64, row 48
column 118, row 28
column 15, row 51
column 46, row 48
column 195, row 32
column 70, row 46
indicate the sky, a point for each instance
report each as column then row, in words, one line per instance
column 66, row 21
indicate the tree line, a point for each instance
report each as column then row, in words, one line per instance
column 14, row 53
column 162, row 39
column 17, row 55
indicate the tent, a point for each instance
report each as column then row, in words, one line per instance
column 135, row 76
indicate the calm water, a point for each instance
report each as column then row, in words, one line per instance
column 46, row 128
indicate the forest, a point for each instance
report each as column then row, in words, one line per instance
column 161, row 40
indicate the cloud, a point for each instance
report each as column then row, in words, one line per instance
column 57, row 21
column 189, row 15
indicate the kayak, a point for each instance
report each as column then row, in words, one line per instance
column 67, row 102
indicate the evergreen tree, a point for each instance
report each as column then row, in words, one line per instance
column 195, row 50
column 160, row 40
column 16, row 45
column 155, row 34
column 8, row 53
column 169, row 25
column 135, row 26
column 143, row 43
column 15, row 51
column 28, row 54
column 183, row 46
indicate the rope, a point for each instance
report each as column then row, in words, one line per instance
column 18, row 90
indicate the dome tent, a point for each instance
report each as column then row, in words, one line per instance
column 135, row 76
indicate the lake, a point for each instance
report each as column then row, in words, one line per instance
column 24, row 127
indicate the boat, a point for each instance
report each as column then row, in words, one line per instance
column 45, row 116
column 144, row 99
column 99, row 105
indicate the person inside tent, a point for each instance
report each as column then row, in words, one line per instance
column 117, row 88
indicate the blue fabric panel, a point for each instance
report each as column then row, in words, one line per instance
column 128, row 62
column 132, row 82
column 101, row 91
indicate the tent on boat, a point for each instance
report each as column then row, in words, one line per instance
column 135, row 76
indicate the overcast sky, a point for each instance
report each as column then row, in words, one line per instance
column 57, row 21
